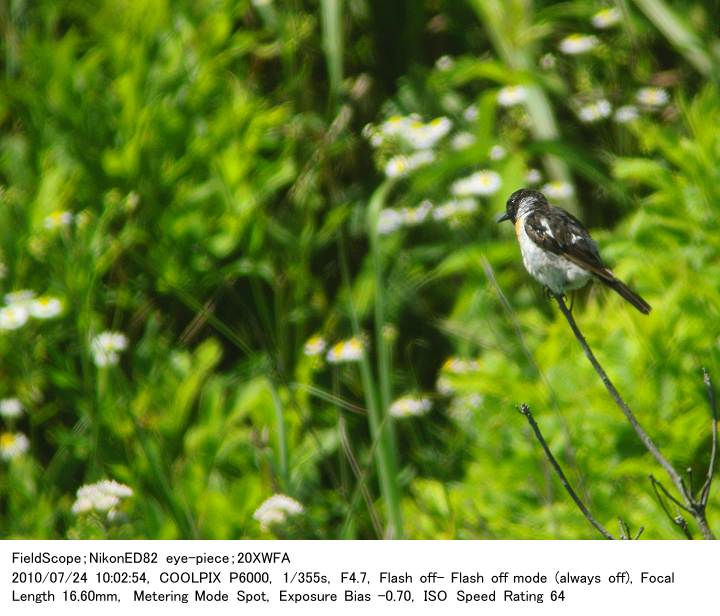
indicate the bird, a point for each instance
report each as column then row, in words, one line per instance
column 557, row 249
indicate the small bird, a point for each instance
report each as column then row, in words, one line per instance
column 557, row 249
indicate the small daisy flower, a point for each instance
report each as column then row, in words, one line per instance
column 276, row 509
column 102, row 496
column 533, row 177
column 420, row 159
column 453, row 208
column 577, row 44
column 652, row 98
column 462, row 140
column 351, row 350
column 10, row 408
column 13, row 444
column 45, row 307
column 397, row 167
column 425, row 136
column 481, row 183
column 626, row 114
column 106, row 348
column 558, row 190
column 606, row 18
column 458, row 365
column 511, row 95
column 57, row 220
column 497, row 152
column 413, row 216
column 389, row 220
column 13, row 317
column 410, row 406
column 444, row 63
column 471, row 114
column 21, row 297
column 595, row 112
column 314, row 346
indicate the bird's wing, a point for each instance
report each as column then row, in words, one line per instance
column 559, row 232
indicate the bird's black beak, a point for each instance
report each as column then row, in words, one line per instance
column 503, row 217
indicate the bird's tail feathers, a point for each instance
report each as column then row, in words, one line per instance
column 627, row 293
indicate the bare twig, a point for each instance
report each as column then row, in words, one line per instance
column 695, row 507
column 705, row 490
column 525, row 410
column 677, row 519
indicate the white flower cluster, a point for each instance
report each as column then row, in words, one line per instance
column 652, row 98
column 577, row 44
column 410, row 406
column 481, row 183
column 401, row 165
column 410, row 131
column 558, row 190
column 315, row 346
column 101, row 496
column 21, row 305
column 606, row 18
column 58, row 219
column 10, row 408
column 595, row 112
column 276, row 509
column 106, row 348
column 346, row 351
column 509, row 96
column 13, row 444
column 454, row 208
column 391, row 219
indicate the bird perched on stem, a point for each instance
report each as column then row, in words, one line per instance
column 557, row 249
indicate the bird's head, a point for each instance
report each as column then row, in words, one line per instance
column 522, row 201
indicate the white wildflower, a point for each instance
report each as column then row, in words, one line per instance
column 595, row 111
column 106, row 348
column 577, row 44
column 13, row 316
column 444, row 386
column 10, row 408
column 389, row 220
column 410, row 406
column 425, row 136
column 483, row 183
column 458, row 365
column 57, row 220
column 511, row 95
column 497, row 152
column 444, row 63
column 412, row 216
column 652, row 98
column 453, row 208
column 21, row 297
column 276, row 509
column 13, row 444
column 533, row 177
column 351, row 350
column 558, row 190
column 462, row 140
column 606, row 18
column 45, row 307
column 471, row 114
column 101, row 496
column 626, row 114
column 314, row 346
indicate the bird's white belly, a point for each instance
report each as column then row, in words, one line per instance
column 551, row 270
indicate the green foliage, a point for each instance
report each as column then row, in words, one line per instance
column 195, row 176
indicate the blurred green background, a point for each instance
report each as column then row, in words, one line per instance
column 235, row 189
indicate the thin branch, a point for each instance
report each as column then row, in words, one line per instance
column 630, row 416
column 696, row 508
column 665, row 491
column 705, row 491
column 525, row 410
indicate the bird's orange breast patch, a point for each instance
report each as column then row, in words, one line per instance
column 518, row 226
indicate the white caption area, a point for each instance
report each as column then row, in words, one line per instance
column 354, row 577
